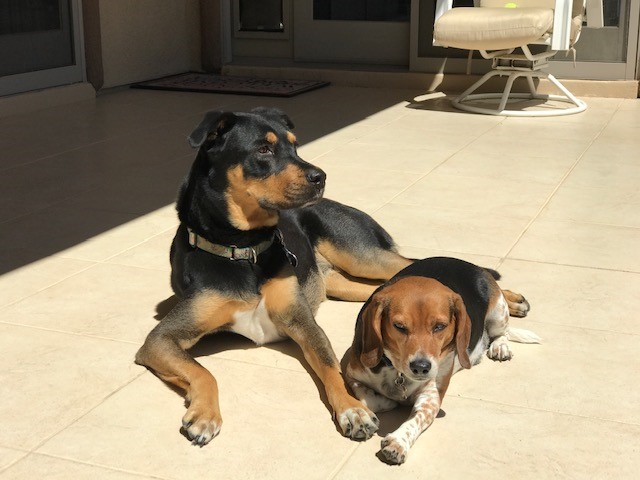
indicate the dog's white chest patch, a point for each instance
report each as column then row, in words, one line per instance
column 256, row 325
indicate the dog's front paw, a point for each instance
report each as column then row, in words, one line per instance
column 201, row 425
column 499, row 350
column 393, row 450
column 358, row 423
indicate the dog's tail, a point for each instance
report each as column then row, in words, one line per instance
column 495, row 274
column 521, row 335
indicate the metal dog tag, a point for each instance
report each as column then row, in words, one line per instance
column 293, row 260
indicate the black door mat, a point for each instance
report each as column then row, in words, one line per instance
column 210, row 83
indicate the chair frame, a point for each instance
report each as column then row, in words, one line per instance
column 527, row 65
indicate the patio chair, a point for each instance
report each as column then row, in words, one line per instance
column 496, row 28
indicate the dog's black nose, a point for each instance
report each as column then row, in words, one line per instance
column 420, row 366
column 316, row 176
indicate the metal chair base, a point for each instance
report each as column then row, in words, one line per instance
column 506, row 95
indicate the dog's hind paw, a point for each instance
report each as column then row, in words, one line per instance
column 358, row 423
column 518, row 305
column 499, row 350
column 393, row 451
column 200, row 429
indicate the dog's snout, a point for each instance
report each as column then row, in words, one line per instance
column 316, row 177
column 420, row 366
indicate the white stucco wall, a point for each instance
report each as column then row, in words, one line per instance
column 145, row 39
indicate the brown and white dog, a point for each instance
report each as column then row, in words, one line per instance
column 433, row 318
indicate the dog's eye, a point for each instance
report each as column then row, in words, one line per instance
column 400, row 327
column 264, row 150
column 439, row 327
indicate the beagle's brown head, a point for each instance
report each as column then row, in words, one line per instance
column 250, row 162
column 415, row 322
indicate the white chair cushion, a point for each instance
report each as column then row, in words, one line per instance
column 483, row 28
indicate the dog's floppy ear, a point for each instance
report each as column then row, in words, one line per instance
column 463, row 331
column 274, row 114
column 214, row 124
column 371, row 318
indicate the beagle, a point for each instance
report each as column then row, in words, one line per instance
column 433, row 318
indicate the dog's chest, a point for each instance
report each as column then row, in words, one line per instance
column 387, row 382
column 256, row 325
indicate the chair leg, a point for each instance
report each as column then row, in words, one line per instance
column 477, row 84
column 507, row 90
column 461, row 102
column 563, row 89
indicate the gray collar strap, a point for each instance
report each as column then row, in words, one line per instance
column 229, row 251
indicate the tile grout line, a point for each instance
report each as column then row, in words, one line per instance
column 566, row 414
column 25, row 453
column 93, row 264
column 105, row 261
column 560, row 183
column 338, row 468
column 136, row 343
column 131, row 133
column 585, row 267
column 105, row 467
column 435, row 167
column 98, row 404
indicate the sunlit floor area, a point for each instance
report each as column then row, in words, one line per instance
column 87, row 218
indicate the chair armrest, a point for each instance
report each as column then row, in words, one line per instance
column 442, row 6
column 595, row 16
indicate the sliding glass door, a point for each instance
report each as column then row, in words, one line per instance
column 40, row 44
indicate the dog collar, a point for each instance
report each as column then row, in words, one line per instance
column 231, row 252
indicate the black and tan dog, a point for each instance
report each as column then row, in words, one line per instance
column 248, row 192
column 433, row 318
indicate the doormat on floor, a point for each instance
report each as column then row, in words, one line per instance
column 210, row 83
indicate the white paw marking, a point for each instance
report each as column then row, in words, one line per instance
column 394, row 450
column 499, row 350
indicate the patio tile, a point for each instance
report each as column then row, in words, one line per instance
column 416, row 252
column 447, row 139
column 607, row 165
column 108, row 301
column 43, row 466
column 451, row 230
column 87, row 216
column 367, row 192
column 77, row 373
column 476, row 194
column 151, row 254
column 499, row 144
column 582, row 244
column 25, row 281
column 489, row 440
column 576, row 296
column 116, row 240
column 418, row 160
column 9, row 456
column 274, row 414
column 610, row 206
column 517, row 167
column 567, row 364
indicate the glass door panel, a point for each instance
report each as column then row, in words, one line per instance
column 352, row 31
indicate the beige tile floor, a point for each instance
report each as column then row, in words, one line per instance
column 86, row 219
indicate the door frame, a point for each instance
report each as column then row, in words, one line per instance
column 53, row 77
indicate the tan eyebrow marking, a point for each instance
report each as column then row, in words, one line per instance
column 291, row 137
column 271, row 137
